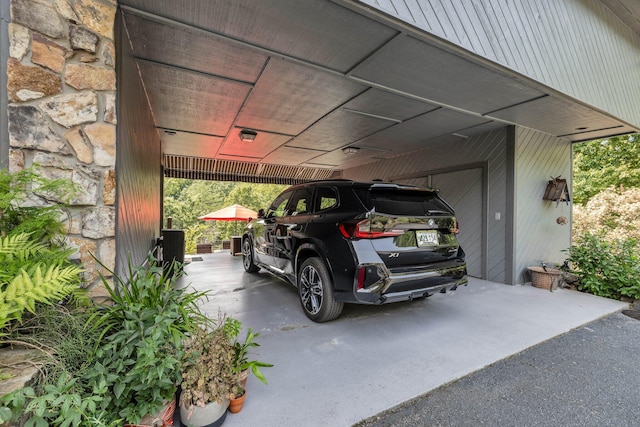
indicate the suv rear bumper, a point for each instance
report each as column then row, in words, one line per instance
column 409, row 283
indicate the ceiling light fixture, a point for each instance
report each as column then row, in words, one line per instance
column 247, row 135
column 350, row 150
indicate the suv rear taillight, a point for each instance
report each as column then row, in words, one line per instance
column 455, row 230
column 366, row 230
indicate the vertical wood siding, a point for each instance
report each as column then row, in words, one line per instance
column 490, row 148
column 138, row 170
column 538, row 237
column 578, row 47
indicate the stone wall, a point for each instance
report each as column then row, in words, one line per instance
column 61, row 85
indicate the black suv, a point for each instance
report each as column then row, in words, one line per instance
column 360, row 242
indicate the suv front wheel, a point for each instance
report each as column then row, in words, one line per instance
column 247, row 256
column 315, row 288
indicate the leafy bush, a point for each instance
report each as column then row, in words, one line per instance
column 613, row 212
column 606, row 268
column 127, row 363
column 139, row 356
column 62, row 395
column 32, row 204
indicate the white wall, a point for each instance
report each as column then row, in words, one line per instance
column 537, row 235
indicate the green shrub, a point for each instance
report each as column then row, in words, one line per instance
column 138, row 359
column 32, row 204
column 125, row 359
column 62, row 395
column 606, row 268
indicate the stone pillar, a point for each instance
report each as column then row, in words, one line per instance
column 61, row 86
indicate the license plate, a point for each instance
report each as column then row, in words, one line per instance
column 427, row 238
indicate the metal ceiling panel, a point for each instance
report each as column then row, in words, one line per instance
column 412, row 66
column 344, row 160
column 189, row 144
column 385, row 104
column 291, row 155
column 414, row 134
column 192, row 49
column 339, row 128
column 290, row 97
column 325, row 75
column 319, row 166
column 190, row 101
column 556, row 116
column 481, row 128
column 263, row 144
column 319, row 32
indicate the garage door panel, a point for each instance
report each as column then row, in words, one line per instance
column 463, row 191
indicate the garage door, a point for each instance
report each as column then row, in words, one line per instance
column 463, row 191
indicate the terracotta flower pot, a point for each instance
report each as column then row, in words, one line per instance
column 235, row 404
column 164, row 417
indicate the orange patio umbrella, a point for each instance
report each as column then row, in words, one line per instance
column 230, row 213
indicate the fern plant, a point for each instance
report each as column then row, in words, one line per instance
column 35, row 265
column 32, row 273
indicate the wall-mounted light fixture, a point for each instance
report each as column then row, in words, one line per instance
column 247, row 135
column 350, row 150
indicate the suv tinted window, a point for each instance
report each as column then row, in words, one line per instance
column 403, row 202
column 302, row 202
column 279, row 205
column 326, row 197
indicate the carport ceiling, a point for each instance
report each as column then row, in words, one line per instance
column 313, row 77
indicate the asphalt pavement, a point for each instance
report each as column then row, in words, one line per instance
column 587, row 377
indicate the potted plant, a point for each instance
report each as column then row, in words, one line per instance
column 236, row 398
column 241, row 363
column 137, row 363
column 207, row 376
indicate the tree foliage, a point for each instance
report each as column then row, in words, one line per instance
column 186, row 200
column 603, row 163
column 612, row 214
column 606, row 212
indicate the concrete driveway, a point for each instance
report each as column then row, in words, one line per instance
column 375, row 357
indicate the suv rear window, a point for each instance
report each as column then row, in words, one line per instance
column 395, row 201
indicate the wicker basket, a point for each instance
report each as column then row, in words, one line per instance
column 546, row 279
